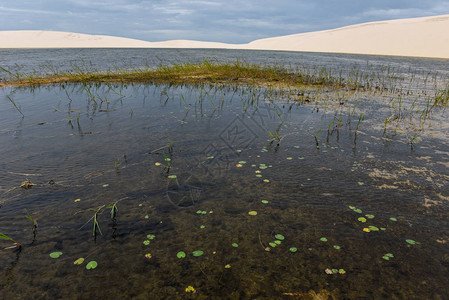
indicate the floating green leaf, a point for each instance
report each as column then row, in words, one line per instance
column 172, row 176
column 389, row 255
column 151, row 236
column 293, row 249
column 323, row 239
column 362, row 219
column 199, row 212
column 357, row 210
column 79, row 261
column 146, row 242
column 235, row 245
column 197, row 253
column 393, row 219
column 383, row 228
column 91, row 265
column 335, row 271
column 411, row 242
column 55, row 254
column 385, row 257
column 258, row 175
column 204, row 212
column 373, row 228
column 147, row 217
column 242, row 162
column 278, row 242
column 266, row 180
column 337, row 247
column 289, row 158
column 105, row 185
column 252, row 213
column 264, row 201
column 279, row 237
column 181, row 254
column 342, row 271
column 202, row 226
column 370, row 216
column 360, row 183
column 272, row 244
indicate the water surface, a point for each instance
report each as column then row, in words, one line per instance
column 316, row 194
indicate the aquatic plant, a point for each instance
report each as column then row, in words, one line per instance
column 28, row 216
column 237, row 73
column 5, row 237
column 114, row 210
column 18, row 108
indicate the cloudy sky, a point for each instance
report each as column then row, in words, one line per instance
column 228, row 21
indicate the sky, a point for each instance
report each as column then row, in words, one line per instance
column 228, row 21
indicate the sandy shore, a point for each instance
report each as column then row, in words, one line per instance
column 419, row 37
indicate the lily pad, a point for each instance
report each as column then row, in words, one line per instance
column 389, row 255
column 386, row 257
column 105, row 185
column 235, row 245
column 146, row 242
column 151, row 236
column 373, row 228
column 272, row 244
column 197, row 253
column 323, row 239
column 265, row 202
column 252, row 213
column 79, row 261
column 181, row 254
column 370, row 216
column 362, row 219
column 278, row 242
column 393, row 219
column 293, row 249
column 91, row 265
column 172, row 176
column 357, row 210
column 266, row 180
column 279, row 237
column 202, row 226
column 360, row 183
column 242, row 162
column 342, row 271
column 55, row 254
column 337, row 247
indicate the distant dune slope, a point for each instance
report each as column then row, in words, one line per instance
column 419, row 37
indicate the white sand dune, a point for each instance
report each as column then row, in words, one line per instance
column 419, row 37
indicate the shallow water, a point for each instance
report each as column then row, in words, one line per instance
column 83, row 156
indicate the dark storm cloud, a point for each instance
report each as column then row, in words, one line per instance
column 225, row 21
